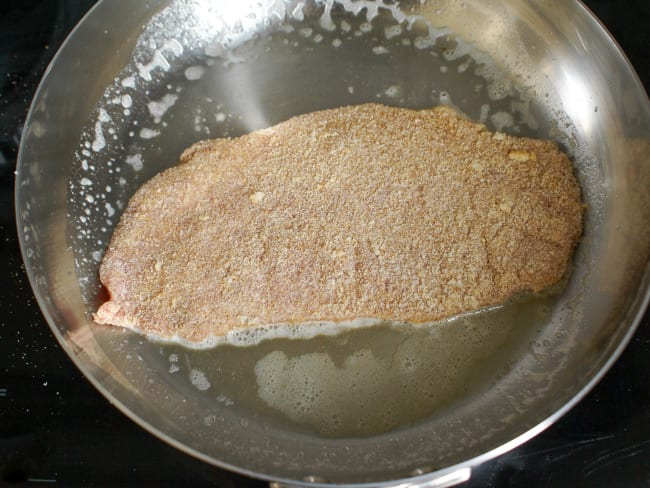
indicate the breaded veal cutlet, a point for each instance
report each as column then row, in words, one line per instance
column 364, row 211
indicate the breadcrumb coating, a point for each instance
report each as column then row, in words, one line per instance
column 365, row 211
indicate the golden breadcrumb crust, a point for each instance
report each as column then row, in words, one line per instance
column 361, row 211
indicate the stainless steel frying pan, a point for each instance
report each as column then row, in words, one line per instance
column 137, row 82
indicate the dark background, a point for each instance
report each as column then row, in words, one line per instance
column 55, row 428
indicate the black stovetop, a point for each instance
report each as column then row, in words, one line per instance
column 55, row 428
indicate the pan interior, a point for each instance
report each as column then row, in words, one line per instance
column 361, row 383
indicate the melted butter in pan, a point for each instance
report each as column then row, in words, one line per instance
column 370, row 380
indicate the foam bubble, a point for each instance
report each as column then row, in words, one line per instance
column 485, row 111
column 128, row 82
column 445, row 98
column 99, row 143
column 157, row 108
column 135, row 161
column 365, row 27
column 499, row 89
column 110, row 211
column 392, row 91
column 199, row 380
column 194, row 72
column 146, row 133
column 126, row 101
column 157, row 61
column 423, row 42
column 297, row 13
column 214, row 50
column 392, row 31
column 326, row 21
column 173, row 46
column 502, row 120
